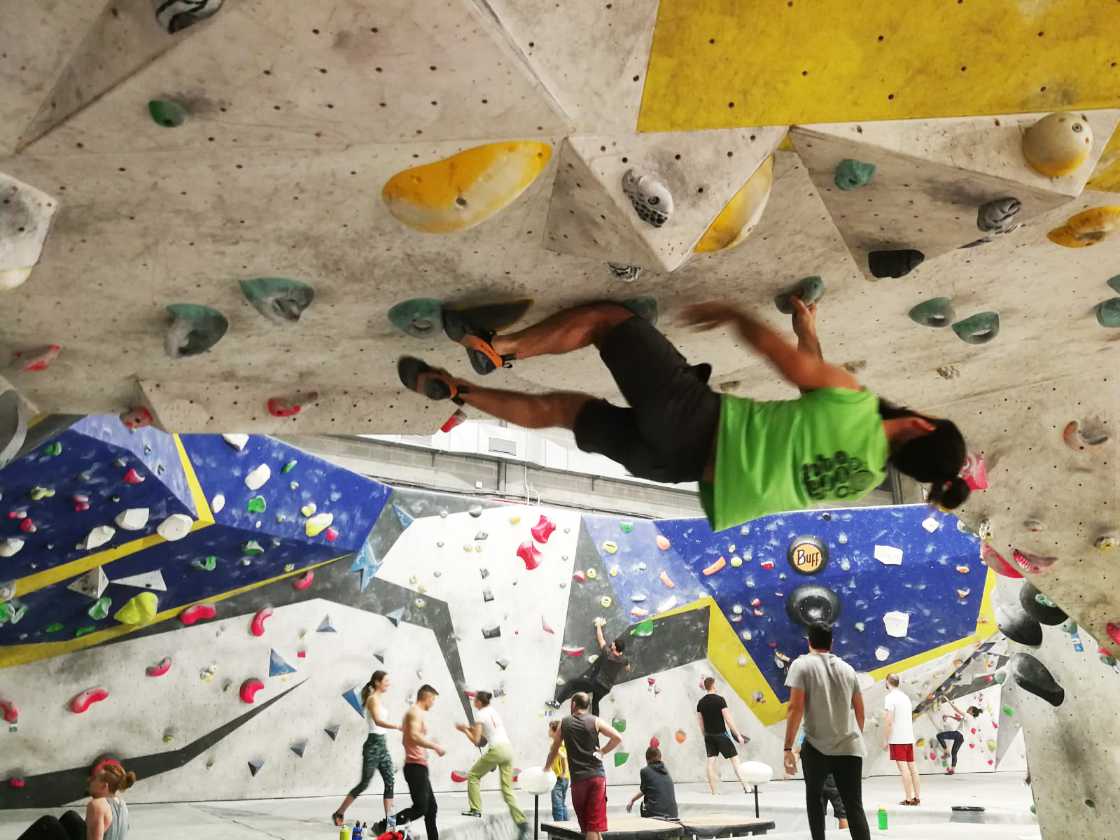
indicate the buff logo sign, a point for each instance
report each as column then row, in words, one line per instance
column 808, row 555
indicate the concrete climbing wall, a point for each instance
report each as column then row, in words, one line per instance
column 263, row 626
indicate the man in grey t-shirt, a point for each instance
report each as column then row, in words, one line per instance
column 824, row 690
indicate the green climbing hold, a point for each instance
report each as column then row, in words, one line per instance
column 252, row 549
column 100, row 608
column 167, row 113
column 1044, row 601
column 853, row 174
column 1114, row 283
column 809, row 289
column 619, row 724
column 288, row 467
column 37, row 494
column 280, row 299
column 935, row 312
column 621, row 758
column 5, row 612
column 626, row 527
column 54, row 448
column 418, row 317
column 206, row 564
column 978, row 329
column 256, row 505
column 194, row 329
column 54, row 627
column 1108, row 313
column 1007, row 710
column 82, row 631
column 643, row 629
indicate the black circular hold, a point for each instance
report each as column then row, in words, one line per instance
column 1018, row 626
column 1040, row 610
column 1035, row 678
column 807, row 555
column 813, row 603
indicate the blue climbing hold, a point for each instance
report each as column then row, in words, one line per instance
column 277, row 666
column 354, row 699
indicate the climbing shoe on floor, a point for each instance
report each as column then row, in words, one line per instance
column 436, row 387
column 484, row 358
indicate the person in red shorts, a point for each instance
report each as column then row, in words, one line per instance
column 898, row 736
column 579, row 733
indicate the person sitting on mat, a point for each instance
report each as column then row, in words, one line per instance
column 751, row 458
column 659, row 799
column 106, row 813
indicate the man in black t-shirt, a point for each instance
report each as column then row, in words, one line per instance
column 720, row 734
column 602, row 676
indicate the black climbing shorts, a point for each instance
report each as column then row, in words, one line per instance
column 668, row 431
column 719, row 745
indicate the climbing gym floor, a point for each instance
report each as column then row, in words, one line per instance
column 1003, row 795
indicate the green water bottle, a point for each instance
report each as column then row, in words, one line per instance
column 344, row 832
column 882, row 819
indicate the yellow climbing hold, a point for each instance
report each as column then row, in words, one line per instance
column 1088, row 227
column 308, row 509
column 614, row 571
column 591, row 574
column 317, row 524
column 139, row 609
column 610, row 547
column 466, row 189
column 1057, row 145
column 741, row 214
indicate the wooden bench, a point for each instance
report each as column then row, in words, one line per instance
column 689, row 828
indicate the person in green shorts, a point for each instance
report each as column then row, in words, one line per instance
column 752, row 458
column 488, row 728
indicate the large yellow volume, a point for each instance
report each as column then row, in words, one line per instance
column 740, row 215
column 1087, row 228
column 466, row 189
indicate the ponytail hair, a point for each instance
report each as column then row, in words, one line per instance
column 115, row 778
column 374, row 681
column 934, row 458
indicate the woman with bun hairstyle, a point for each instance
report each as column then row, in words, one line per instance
column 375, row 752
column 106, row 813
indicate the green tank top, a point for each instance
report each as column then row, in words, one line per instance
column 828, row 445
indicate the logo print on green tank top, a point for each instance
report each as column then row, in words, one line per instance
column 836, row 477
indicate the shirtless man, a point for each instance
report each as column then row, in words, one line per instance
column 416, row 746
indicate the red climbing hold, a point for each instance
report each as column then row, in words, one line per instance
column 17, row 783
column 453, row 421
column 289, row 406
column 28, row 526
column 975, row 472
column 302, row 583
column 34, row 361
column 199, row 612
column 573, row 651
column 994, row 561
column 458, row 776
column 160, row 668
column 11, row 710
column 87, row 698
column 249, row 689
column 133, row 477
column 528, row 552
column 543, row 529
column 330, row 535
column 257, row 625
column 1033, row 563
column 546, row 627
column 81, row 502
column 654, row 744
column 136, row 417
column 1112, row 629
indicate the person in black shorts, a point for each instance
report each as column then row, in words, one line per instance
column 832, row 443
column 720, row 734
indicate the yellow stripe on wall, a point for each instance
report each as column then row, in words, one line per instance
column 734, row 63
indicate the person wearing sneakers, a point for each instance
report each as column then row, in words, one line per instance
column 720, row 735
column 579, row 733
column 489, row 728
column 416, row 774
column 751, row 458
column 950, row 731
column 898, row 738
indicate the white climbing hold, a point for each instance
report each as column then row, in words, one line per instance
column 888, row 555
column 882, row 653
column 930, row 524
column 217, row 503
column 238, row 441
column 91, row 584
column 1058, row 144
column 10, row 546
column 175, row 527
column 29, row 213
column 896, row 623
column 649, row 197
column 132, row 519
column 146, row 580
column 258, row 477
column 98, row 537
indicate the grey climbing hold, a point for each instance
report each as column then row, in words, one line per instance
column 935, row 312
column 484, row 572
column 809, row 289
column 280, row 299
column 475, row 511
column 492, row 632
column 852, row 174
column 176, row 15
column 255, row 765
column 649, row 197
column 625, row 272
column 487, row 596
column 167, row 112
column 813, row 603
column 325, row 626
column 998, row 216
column 895, row 264
column 194, row 329
column 91, row 584
column 978, row 329
column 396, row 616
column 332, row 731
column 13, row 425
column 1019, row 626
column 1108, row 312
column 298, row 748
column 1038, row 610
column 502, row 663
column 1035, row 678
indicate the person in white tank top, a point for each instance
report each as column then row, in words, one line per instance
column 375, row 751
column 488, row 725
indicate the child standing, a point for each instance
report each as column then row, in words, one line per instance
column 563, row 779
